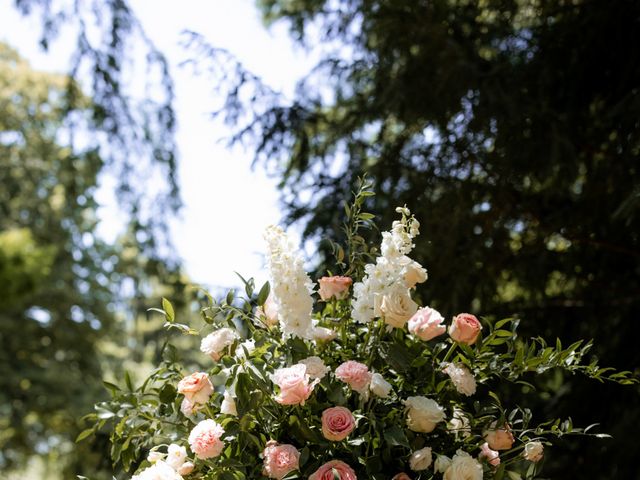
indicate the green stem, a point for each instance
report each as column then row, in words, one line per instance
column 450, row 352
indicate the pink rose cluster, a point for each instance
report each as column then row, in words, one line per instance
column 197, row 389
column 355, row 374
column 295, row 384
column 206, row 439
column 279, row 460
column 334, row 287
column 334, row 470
column 337, row 423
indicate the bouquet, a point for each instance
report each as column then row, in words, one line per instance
column 346, row 379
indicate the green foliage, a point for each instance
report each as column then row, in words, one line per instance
column 141, row 418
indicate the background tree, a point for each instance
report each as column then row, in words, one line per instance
column 64, row 290
column 511, row 129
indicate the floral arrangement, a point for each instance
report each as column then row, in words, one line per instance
column 347, row 379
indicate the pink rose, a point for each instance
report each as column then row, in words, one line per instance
column 337, row 423
column 186, row 468
column 196, row 388
column 492, row 456
column 401, row 476
column 279, row 460
column 187, row 408
column 465, row 328
column 205, row 440
column 426, row 324
column 334, row 287
column 294, row 383
column 499, row 438
column 335, row 469
column 354, row 374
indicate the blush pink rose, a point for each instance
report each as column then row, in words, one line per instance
column 426, row 324
column 279, row 460
column 294, row 383
column 205, row 439
column 499, row 438
column 401, row 476
column 196, row 388
column 492, row 456
column 335, row 469
column 269, row 312
column 337, row 423
column 334, row 287
column 465, row 328
column 354, row 374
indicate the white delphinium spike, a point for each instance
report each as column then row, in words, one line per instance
column 290, row 285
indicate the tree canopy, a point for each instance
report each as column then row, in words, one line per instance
column 511, row 129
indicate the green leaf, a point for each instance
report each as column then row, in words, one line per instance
column 264, row 293
column 84, row 434
column 168, row 309
column 395, row 436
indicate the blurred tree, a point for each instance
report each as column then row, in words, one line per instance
column 60, row 283
column 512, row 129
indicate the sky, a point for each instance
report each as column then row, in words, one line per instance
column 219, row 230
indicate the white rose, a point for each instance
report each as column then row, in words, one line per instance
column 459, row 423
column 186, row 468
column 533, row 451
column 215, row 343
column 158, row 471
column 176, row 456
column 315, row 367
column 442, row 463
column 155, row 456
column 423, row 414
column 421, row 459
column 323, row 334
column 248, row 345
column 396, row 307
column 462, row 378
column 463, row 467
column 228, row 405
column 379, row 386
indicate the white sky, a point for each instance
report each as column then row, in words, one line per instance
column 226, row 205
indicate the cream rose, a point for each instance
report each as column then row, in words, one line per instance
column 176, row 456
column 533, row 451
column 379, row 386
column 228, row 405
column 158, row 471
column 315, row 367
column 423, row 414
column 442, row 463
column 426, row 324
column 268, row 312
column 463, row 467
column 395, row 306
column 215, row 343
column 421, row 459
column 323, row 334
column 186, row 468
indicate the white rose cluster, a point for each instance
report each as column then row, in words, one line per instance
column 462, row 378
column 169, row 466
column 463, row 467
column 290, row 285
column 385, row 289
column 423, row 414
